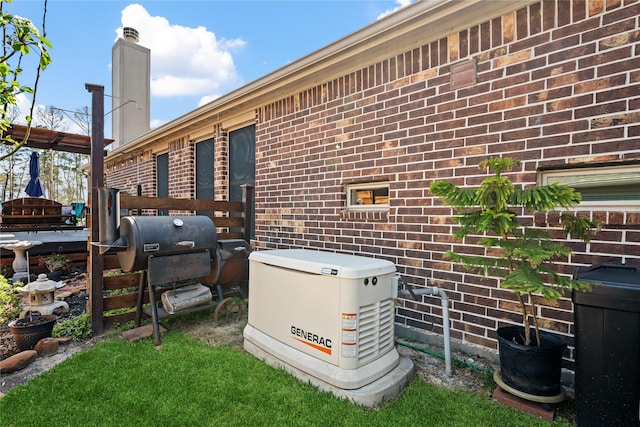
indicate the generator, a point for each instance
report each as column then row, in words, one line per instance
column 327, row 318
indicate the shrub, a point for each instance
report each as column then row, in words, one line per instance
column 78, row 328
column 10, row 301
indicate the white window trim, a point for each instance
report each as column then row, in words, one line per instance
column 599, row 176
column 366, row 186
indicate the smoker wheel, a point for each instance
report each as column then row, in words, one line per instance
column 229, row 309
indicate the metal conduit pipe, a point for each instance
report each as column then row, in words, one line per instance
column 444, row 300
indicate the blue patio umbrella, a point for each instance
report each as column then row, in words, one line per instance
column 34, row 187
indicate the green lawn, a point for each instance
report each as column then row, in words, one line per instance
column 188, row 383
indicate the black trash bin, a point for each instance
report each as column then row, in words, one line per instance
column 607, row 346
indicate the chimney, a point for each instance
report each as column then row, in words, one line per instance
column 131, row 88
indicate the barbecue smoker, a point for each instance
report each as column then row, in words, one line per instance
column 173, row 250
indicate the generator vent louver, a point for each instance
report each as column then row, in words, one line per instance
column 375, row 330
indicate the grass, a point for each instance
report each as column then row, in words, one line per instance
column 184, row 382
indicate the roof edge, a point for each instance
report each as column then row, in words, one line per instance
column 415, row 24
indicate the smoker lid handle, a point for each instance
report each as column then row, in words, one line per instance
column 187, row 243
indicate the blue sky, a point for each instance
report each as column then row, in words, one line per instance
column 199, row 49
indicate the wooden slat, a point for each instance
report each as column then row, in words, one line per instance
column 141, row 202
column 113, row 320
column 30, row 201
column 228, row 222
column 129, row 280
column 130, row 300
column 230, row 236
column 122, row 301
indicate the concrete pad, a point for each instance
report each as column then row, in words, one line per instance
column 374, row 394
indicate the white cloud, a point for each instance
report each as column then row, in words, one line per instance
column 157, row 123
column 400, row 5
column 207, row 99
column 184, row 61
column 24, row 104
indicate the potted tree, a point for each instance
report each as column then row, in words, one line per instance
column 521, row 256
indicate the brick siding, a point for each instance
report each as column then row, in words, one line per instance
column 142, row 169
column 557, row 84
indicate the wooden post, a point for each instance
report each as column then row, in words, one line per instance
column 248, row 214
column 96, row 260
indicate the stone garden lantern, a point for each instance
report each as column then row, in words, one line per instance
column 41, row 297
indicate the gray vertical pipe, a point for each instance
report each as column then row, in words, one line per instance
column 444, row 300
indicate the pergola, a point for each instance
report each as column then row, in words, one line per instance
column 52, row 139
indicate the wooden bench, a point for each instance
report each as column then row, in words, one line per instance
column 35, row 214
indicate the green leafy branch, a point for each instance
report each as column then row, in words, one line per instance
column 21, row 38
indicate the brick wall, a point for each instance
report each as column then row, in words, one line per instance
column 141, row 169
column 221, row 165
column 182, row 169
column 137, row 169
column 558, row 83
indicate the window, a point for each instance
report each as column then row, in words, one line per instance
column 370, row 196
column 242, row 165
column 162, row 179
column 607, row 186
column 204, row 172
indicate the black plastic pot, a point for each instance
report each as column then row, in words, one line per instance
column 531, row 369
column 28, row 331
